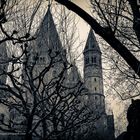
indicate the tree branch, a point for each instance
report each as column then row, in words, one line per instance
column 109, row 37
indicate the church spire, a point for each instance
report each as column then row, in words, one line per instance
column 92, row 65
column 91, row 43
column 47, row 35
column 49, row 4
column 93, row 77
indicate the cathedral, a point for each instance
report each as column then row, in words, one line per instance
column 93, row 95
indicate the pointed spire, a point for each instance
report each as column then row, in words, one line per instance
column 47, row 35
column 91, row 43
column 49, row 4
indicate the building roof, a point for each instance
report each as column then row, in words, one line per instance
column 47, row 35
column 91, row 43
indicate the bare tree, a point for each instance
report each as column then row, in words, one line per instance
column 41, row 99
column 13, row 21
column 108, row 34
column 44, row 97
column 117, row 16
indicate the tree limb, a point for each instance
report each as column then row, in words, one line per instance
column 109, row 37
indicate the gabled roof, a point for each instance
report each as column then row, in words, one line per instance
column 91, row 43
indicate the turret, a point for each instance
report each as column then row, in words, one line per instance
column 92, row 65
column 93, row 78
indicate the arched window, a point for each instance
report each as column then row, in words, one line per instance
column 2, row 117
column 95, row 89
column 94, row 60
column 54, row 73
column 86, row 60
column 91, row 59
column 43, row 59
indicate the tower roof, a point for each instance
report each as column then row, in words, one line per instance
column 74, row 75
column 47, row 35
column 91, row 43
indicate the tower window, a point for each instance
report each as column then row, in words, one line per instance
column 95, row 88
column 43, row 59
column 94, row 60
column 2, row 117
column 95, row 79
column 92, row 46
column 54, row 72
column 86, row 60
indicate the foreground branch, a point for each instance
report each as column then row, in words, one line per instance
column 108, row 36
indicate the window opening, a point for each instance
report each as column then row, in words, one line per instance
column 95, row 88
column 86, row 60
column 94, row 60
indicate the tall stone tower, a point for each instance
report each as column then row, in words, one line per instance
column 93, row 78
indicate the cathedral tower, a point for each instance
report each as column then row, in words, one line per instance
column 48, row 45
column 93, row 78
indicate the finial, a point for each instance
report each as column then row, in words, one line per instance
column 49, row 4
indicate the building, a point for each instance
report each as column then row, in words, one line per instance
column 46, row 46
column 93, row 80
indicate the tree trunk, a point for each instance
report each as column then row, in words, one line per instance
column 44, row 126
column 136, row 17
column 28, row 135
